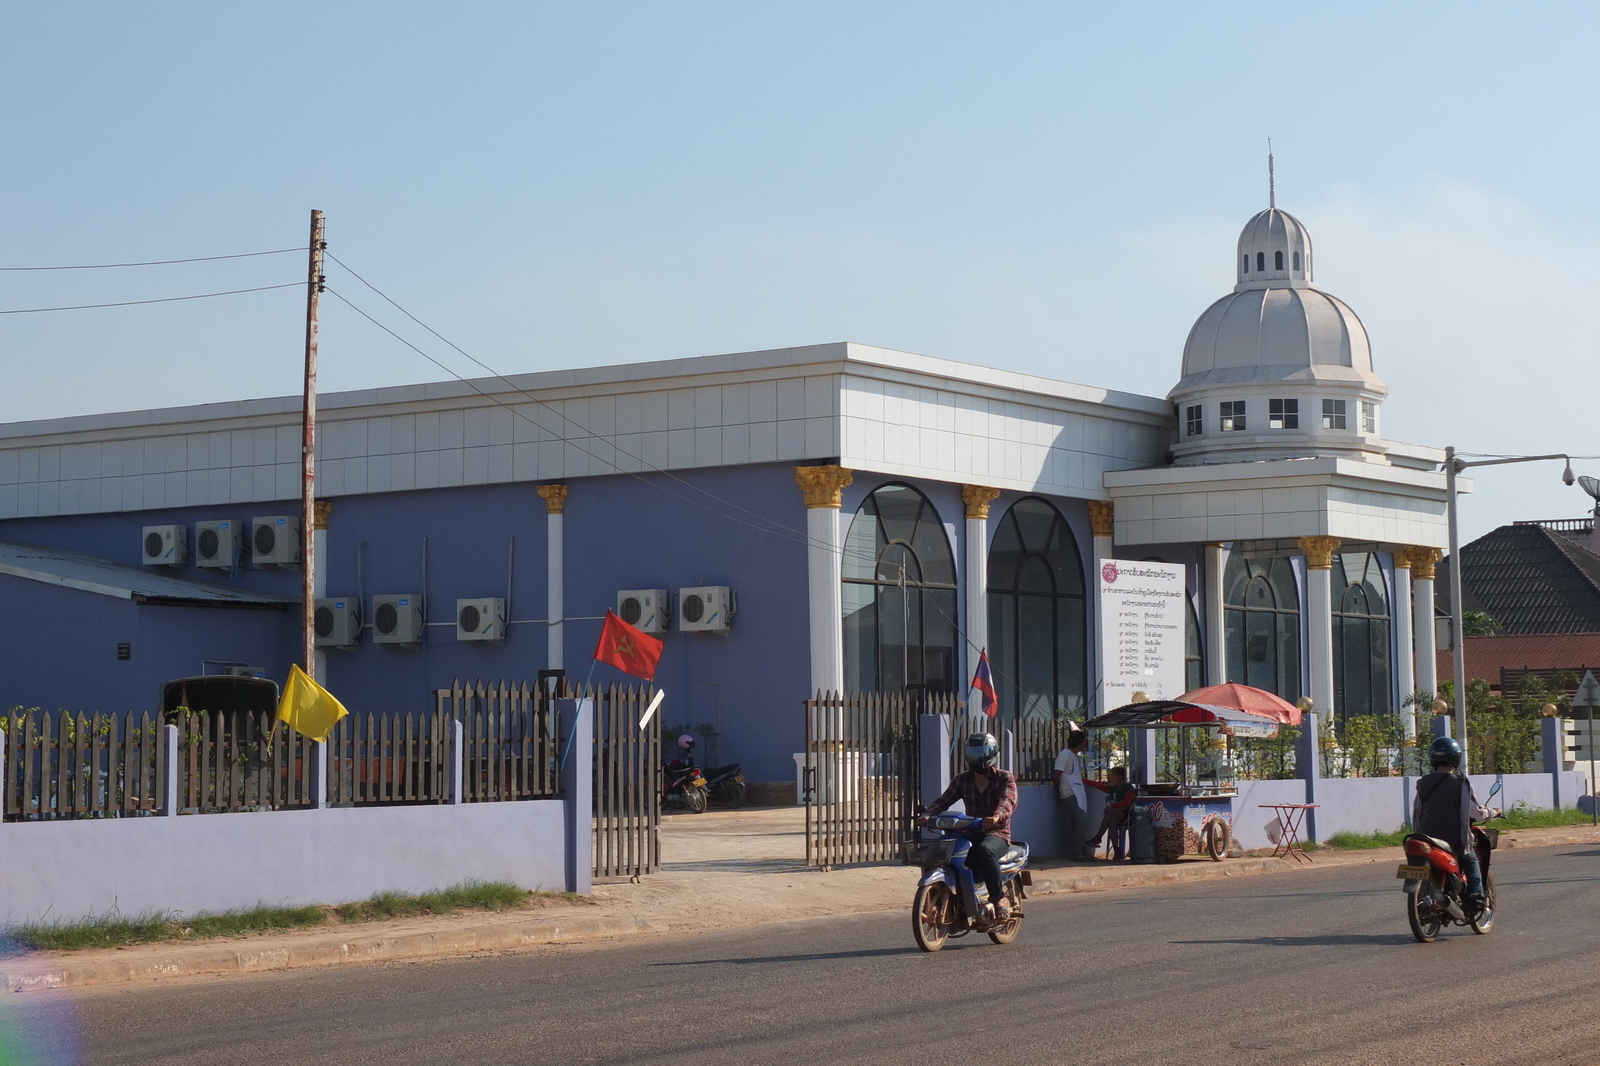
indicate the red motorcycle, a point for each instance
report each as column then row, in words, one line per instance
column 1436, row 889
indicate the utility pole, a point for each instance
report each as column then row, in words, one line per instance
column 315, row 281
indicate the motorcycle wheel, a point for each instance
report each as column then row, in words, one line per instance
column 930, row 915
column 696, row 798
column 732, row 794
column 1485, row 921
column 1426, row 930
column 1217, row 840
column 1006, row 931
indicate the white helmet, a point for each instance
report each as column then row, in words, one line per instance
column 686, row 742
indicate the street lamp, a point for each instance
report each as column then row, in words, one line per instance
column 1458, row 657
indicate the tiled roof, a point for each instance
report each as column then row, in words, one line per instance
column 1491, row 657
column 1530, row 580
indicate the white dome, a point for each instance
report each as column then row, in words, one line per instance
column 1277, row 334
column 1274, row 250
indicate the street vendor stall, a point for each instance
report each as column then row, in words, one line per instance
column 1193, row 812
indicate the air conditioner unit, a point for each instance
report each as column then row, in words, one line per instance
column 237, row 670
column 338, row 622
column 275, row 540
column 647, row 610
column 397, row 618
column 219, row 543
column 166, row 545
column 705, row 609
column 482, row 619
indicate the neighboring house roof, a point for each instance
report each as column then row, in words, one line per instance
column 1503, row 660
column 89, row 573
column 1529, row 579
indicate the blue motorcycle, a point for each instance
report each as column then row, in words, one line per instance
column 947, row 903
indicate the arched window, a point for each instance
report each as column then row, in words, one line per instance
column 1261, row 260
column 1277, row 260
column 1247, row 262
column 899, row 595
column 1360, row 636
column 1194, row 666
column 1036, row 612
column 1297, row 260
column 1261, row 608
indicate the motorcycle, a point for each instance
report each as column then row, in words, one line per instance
column 726, row 785
column 683, row 785
column 1436, row 888
column 946, row 904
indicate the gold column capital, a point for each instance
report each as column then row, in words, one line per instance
column 978, row 498
column 555, row 498
column 823, row 486
column 1103, row 518
column 1423, row 561
column 320, row 509
column 1319, row 551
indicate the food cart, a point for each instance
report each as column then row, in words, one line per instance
column 1194, row 814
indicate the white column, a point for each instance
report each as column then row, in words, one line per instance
column 1102, row 523
column 555, row 506
column 975, row 619
column 1404, row 662
column 1216, row 621
column 823, row 488
column 1319, row 617
column 319, row 573
column 1423, row 563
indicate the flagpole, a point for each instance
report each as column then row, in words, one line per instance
column 308, row 454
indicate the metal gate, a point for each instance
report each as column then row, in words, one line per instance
column 861, row 775
column 627, row 783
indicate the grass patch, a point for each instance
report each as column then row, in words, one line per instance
column 1366, row 841
column 115, row 931
column 1515, row 818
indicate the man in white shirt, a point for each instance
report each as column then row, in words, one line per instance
column 1068, row 778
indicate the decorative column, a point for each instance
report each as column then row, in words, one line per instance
column 977, row 498
column 1216, row 622
column 320, row 509
column 1424, row 562
column 823, row 490
column 1319, row 617
column 1404, row 663
column 555, row 509
column 1102, row 523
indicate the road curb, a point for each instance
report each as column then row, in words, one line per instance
column 57, row 972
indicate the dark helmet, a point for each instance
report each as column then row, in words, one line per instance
column 983, row 751
column 1444, row 751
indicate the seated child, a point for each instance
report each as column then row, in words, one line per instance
column 1122, row 796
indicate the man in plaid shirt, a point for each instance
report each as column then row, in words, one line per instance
column 990, row 793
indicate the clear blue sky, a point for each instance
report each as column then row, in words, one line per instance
column 1046, row 188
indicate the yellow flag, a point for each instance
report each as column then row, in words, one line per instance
column 307, row 707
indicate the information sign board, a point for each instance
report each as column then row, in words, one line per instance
column 1142, row 614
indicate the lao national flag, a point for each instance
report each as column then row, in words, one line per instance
column 983, row 681
column 627, row 649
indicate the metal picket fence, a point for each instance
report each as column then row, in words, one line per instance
column 627, row 782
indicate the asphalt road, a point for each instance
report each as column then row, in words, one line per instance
column 1290, row 968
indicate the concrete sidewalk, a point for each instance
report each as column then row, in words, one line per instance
column 721, row 870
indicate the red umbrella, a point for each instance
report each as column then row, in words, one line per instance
column 1243, row 698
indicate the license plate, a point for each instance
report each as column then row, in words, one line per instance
column 739, row 778
column 1413, row 873
column 700, row 782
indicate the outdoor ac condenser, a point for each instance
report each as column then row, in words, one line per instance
column 397, row 618
column 646, row 610
column 218, row 543
column 338, row 622
column 275, row 540
column 165, row 545
column 705, row 609
column 481, row 619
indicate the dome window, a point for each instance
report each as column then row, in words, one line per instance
column 1261, row 260
column 1247, row 262
column 1333, row 414
column 1283, row 414
column 1297, row 261
column 1277, row 260
column 1369, row 417
column 1195, row 417
column 1233, row 416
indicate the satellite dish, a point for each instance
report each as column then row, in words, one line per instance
column 1590, row 485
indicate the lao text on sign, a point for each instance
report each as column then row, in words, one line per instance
column 1142, row 615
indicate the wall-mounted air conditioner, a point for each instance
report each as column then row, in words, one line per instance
column 647, row 610
column 275, row 540
column 397, row 618
column 705, row 609
column 481, row 619
column 218, row 543
column 166, row 545
column 338, row 622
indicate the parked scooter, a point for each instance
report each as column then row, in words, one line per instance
column 1436, row 889
column 947, row 904
column 726, row 785
column 682, row 783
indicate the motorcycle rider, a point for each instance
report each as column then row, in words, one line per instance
column 1445, row 808
column 990, row 793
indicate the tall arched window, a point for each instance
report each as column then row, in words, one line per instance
column 1036, row 612
column 899, row 595
column 1261, row 608
column 1360, row 636
column 1277, row 260
column 1194, row 664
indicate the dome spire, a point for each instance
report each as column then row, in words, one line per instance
column 1272, row 178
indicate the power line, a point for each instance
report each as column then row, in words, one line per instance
column 162, row 300
column 157, row 262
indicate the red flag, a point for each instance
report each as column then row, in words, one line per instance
column 627, row 649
